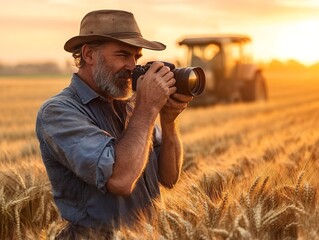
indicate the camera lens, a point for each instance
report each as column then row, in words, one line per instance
column 192, row 80
column 189, row 81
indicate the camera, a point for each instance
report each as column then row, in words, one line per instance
column 189, row 81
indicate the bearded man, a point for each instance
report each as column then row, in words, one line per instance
column 104, row 154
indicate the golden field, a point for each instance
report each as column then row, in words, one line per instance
column 251, row 171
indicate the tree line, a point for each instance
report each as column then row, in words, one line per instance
column 52, row 68
column 45, row 68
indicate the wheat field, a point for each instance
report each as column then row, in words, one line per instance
column 251, row 171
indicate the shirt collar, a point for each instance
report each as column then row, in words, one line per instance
column 85, row 93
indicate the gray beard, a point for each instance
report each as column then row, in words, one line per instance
column 114, row 86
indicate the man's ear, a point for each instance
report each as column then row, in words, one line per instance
column 87, row 54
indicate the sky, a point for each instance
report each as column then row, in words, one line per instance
column 36, row 30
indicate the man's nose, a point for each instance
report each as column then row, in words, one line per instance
column 131, row 64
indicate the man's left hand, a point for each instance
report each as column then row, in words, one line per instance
column 173, row 107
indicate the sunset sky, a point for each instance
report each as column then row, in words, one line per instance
column 36, row 30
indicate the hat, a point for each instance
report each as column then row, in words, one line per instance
column 104, row 25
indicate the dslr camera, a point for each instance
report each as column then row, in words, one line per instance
column 189, row 81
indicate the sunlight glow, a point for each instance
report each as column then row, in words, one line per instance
column 299, row 40
column 298, row 3
column 280, row 29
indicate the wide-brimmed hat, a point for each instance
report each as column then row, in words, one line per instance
column 104, row 25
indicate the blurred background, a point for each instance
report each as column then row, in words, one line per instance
column 33, row 32
column 231, row 150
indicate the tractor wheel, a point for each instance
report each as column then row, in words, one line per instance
column 255, row 90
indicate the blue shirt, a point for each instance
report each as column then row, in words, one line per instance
column 77, row 130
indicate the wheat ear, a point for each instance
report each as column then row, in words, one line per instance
column 299, row 182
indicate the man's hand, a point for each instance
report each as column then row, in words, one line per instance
column 173, row 107
column 155, row 87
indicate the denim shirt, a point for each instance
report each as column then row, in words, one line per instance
column 77, row 130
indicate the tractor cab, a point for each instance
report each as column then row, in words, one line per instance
column 229, row 70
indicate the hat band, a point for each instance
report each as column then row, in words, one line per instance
column 125, row 35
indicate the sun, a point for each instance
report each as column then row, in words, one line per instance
column 299, row 40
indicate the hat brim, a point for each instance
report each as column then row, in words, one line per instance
column 73, row 43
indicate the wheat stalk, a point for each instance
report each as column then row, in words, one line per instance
column 301, row 175
column 2, row 201
column 164, row 225
column 202, row 232
column 253, row 186
column 180, row 224
column 220, row 232
column 17, row 220
column 257, row 216
column 244, row 233
column 207, row 216
column 40, row 210
column 18, row 178
column 263, row 186
column 298, row 210
column 247, row 199
column 309, row 193
column 241, row 217
column 273, row 215
column 47, row 217
column 220, row 209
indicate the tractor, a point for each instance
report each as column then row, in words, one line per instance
column 231, row 75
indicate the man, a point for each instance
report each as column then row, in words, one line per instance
column 105, row 157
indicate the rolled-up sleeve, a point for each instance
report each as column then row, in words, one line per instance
column 104, row 167
column 76, row 142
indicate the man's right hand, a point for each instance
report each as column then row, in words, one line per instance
column 155, row 87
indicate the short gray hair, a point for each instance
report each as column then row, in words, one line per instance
column 77, row 53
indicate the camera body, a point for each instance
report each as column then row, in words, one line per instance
column 189, row 81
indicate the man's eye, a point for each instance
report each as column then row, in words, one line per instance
column 122, row 55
